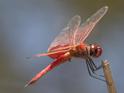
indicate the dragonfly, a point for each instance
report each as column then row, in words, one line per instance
column 71, row 43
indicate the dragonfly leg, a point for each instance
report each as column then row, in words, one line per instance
column 96, row 67
column 92, row 64
column 99, row 67
column 91, row 71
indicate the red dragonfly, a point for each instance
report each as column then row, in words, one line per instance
column 70, row 43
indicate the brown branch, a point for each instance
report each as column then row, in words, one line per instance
column 108, row 77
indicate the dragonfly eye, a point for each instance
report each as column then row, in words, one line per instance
column 95, row 50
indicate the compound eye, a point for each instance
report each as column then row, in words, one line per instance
column 95, row 50
column 98, row 51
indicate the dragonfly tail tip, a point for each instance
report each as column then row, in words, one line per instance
column 26, row 85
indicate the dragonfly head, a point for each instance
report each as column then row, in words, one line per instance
column 95, row 50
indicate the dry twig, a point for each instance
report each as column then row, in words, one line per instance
column 108, row 77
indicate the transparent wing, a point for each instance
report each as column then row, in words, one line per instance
column 67, row 35
column 86, row 28
column 47, row 54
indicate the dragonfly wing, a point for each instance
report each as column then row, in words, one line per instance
column 86, row 28
column 67, row 35
column 49, row 53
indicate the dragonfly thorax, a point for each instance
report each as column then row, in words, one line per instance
column 79, row 50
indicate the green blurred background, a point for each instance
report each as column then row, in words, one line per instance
column 27, row 27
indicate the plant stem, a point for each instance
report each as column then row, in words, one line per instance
column 108, row 77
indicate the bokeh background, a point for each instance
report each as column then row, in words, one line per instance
column 28, row 27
